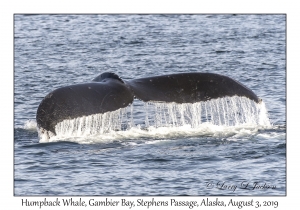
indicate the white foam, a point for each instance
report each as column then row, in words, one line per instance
column 232, row 117
column 30, row 125
column 163, row 133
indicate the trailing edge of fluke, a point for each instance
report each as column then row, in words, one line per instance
column 108, row 92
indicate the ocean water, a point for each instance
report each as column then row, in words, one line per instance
column 153, row 149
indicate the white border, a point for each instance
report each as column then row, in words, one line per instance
column 8, row 8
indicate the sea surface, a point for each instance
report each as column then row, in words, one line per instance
column 158, row 148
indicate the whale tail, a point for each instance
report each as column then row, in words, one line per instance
column 108, row 92
column 188, row 88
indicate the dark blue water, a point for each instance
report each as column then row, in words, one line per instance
column 52, row 51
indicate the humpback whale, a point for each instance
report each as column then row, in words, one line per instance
column 108, row 92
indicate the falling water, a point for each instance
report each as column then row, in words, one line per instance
column 96, row 124
column 227, row 111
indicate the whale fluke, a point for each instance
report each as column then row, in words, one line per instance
column 188, row 88
column 108, row 92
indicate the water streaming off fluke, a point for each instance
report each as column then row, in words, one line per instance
column 227, row 111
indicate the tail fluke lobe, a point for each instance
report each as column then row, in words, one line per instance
column 82, row 100
column 188, row 88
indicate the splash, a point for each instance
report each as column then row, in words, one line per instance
column 164, row 119
column 228, row 111
column 30, row 125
